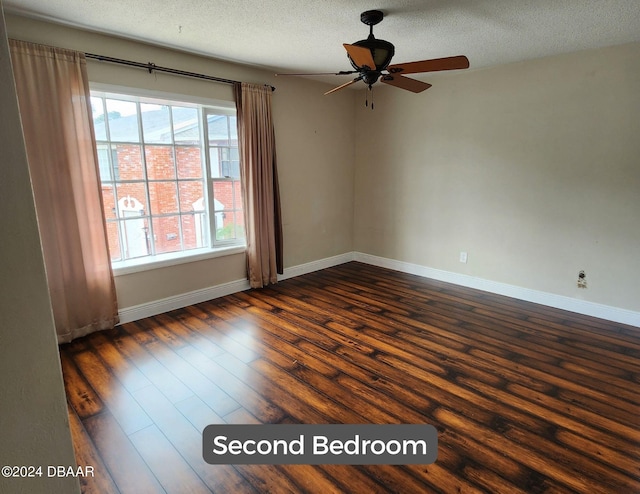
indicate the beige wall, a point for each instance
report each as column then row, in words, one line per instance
column 34, row 428
column 532, row 168
column 314, row 143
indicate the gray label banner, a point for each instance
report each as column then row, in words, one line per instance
column 318, row 444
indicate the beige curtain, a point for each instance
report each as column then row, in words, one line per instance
column 53, row 93
column 257, row 146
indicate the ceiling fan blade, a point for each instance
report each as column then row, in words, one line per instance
column 448, row 63
column 407, row 83
column 360, row 55
column 342, row 72
column 342, row 86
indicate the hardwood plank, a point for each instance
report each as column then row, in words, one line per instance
column 440, row 478
column 268, row 478
column 199, row 413
column 311, row 478
column 199, row 384
column 118, row 364
column 395, row 479
column 126, row 467
column 161, row 377
column 441, row 394
column 393, row 389
column 80, row 394
column 100, row 482
column 613, row 394
column 525, row 398
column 293, row 323
column 172, row 471
column 195, row 328
column 242, row 416
column 187, row 441
column 594, row 469
column 289, row 356
column 303, row 403
column 234, row 386
column 117, row 399
column 574, row 479
column 353, row 479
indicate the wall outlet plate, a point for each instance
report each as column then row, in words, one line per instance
column 463, row 257
column 582, row 280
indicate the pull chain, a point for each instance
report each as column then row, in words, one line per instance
column 366, row 97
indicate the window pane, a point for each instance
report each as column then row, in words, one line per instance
column 113, row 237
column 189, row 162
column 127, row 162
column 218, row 219
column 193, row 231
column 191, row 193
column 215, row 161
column 237, row 194
column 239, row 222
column 109, row 201
column 156, row 124
column 163, row 197
column 228, row 227
column 186, row 125
column 200, row 225
column 166, row 232
column 123, row 121
column 160, row 165
column 224, row 162
column 233, row 129
column 218, row 130
column 228, row 193
column 223, row 193
column 99, row 125
column 103, row 151
column 132, row 200
column 135, row 237
column 158, row 202
column 234, row 163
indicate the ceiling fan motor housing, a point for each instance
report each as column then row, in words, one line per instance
column 382, row 51
column 371, row 57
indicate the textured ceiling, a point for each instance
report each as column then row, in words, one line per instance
column 307, row 36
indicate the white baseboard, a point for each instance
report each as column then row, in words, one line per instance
column 593, row 309
column 316, row 265
column 609, row 313
column 129, row 314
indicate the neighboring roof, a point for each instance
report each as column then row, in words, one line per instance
column 157, row 128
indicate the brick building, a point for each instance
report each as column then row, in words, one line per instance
column 154, row 192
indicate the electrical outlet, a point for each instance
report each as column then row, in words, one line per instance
column 463, row 257
column 582, row 280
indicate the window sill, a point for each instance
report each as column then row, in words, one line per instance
column 145, row 264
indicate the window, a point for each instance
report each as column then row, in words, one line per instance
column 170, row 177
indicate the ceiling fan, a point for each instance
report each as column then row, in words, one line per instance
column 371, row 57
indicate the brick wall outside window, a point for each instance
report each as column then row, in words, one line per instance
column 166, row 194
column 150, row 157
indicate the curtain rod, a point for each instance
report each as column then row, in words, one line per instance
column 152, row 66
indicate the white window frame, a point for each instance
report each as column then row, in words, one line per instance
column 205, row 106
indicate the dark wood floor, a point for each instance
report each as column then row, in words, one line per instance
column 525, row 398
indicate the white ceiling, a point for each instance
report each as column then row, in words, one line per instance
column 307, row 36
